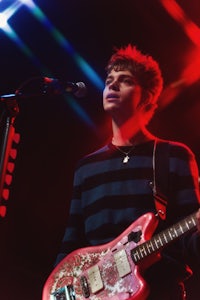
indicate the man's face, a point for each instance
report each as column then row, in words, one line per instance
column 121, row 94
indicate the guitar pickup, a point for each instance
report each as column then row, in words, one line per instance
column 122, row 263
column 94, row 278
column 64, row 293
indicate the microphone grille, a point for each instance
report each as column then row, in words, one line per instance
column 81, row 91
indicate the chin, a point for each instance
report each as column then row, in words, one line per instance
column 111, row 106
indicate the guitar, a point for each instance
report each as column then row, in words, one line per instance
column 113, row 271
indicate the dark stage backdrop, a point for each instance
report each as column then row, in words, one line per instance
column 57, row 130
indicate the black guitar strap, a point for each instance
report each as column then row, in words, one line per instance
column 161, row 176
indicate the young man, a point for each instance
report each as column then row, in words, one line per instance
column 120, row 182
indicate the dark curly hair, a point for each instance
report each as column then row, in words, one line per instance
column 144, row 68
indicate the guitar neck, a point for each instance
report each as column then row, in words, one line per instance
column 163, row 238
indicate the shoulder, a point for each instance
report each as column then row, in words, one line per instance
column 177, row 149
column 98, row 155
column 181, row 158
column 99, row 151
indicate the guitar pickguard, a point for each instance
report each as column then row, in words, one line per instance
column 102, row 272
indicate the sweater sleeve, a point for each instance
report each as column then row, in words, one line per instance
column 191, row 241
column 74, row 236
column 185, row 199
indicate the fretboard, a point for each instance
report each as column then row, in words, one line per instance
column 163, row 238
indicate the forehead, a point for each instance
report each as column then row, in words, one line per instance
column 116, row 73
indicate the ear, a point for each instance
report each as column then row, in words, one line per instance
column 147, row 101
column 147, row 107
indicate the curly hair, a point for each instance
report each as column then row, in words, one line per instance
column 142, row 66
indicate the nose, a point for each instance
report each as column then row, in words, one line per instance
column 114, row 85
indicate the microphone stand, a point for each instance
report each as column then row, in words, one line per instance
column 47, row 86
column 11, row 111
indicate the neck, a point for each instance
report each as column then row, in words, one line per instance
column 130, row 135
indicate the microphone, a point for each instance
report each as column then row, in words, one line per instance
column 77, row 88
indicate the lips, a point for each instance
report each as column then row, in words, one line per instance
column 112, row 96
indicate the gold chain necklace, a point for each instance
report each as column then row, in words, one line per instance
column 126, row 157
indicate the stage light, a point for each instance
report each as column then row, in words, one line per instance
column 29, row 3
column 59, row 38
column 3, row 20
column 7, row 11
column 4, row 25
column 190, row 67
column 23, row 47
column 65, row 44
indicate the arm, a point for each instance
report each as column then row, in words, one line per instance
column 185, row 200
column 74, row 237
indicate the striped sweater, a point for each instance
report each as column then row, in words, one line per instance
column 108, row 195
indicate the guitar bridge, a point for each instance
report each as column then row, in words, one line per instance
column 64, row 293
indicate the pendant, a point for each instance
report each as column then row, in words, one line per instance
column 126, row 159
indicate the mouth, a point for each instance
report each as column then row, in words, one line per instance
column 112, row 96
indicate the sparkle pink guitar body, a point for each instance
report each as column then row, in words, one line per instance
column 113, row 271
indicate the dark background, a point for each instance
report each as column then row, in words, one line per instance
column 56, row 130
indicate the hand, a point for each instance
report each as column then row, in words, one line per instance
column 198, row 220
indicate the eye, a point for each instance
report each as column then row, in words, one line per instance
column 108, row 81
column 128, row 81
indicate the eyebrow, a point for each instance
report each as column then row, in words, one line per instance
column 121, row 76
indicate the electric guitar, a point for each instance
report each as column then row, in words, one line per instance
column 113, row 271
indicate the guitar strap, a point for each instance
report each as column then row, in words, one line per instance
column 160, row 176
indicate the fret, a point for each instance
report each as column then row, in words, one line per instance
column 152, row 246
column 178, row 229
column 141, row 251
column 149, row 247
column 181, row 228
column 170, row 235
column 165, row 238
column 144, row 250
column 187, row 225
column 161, row 242
column 156, row 242
column 135, row 254
column 173, row 233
